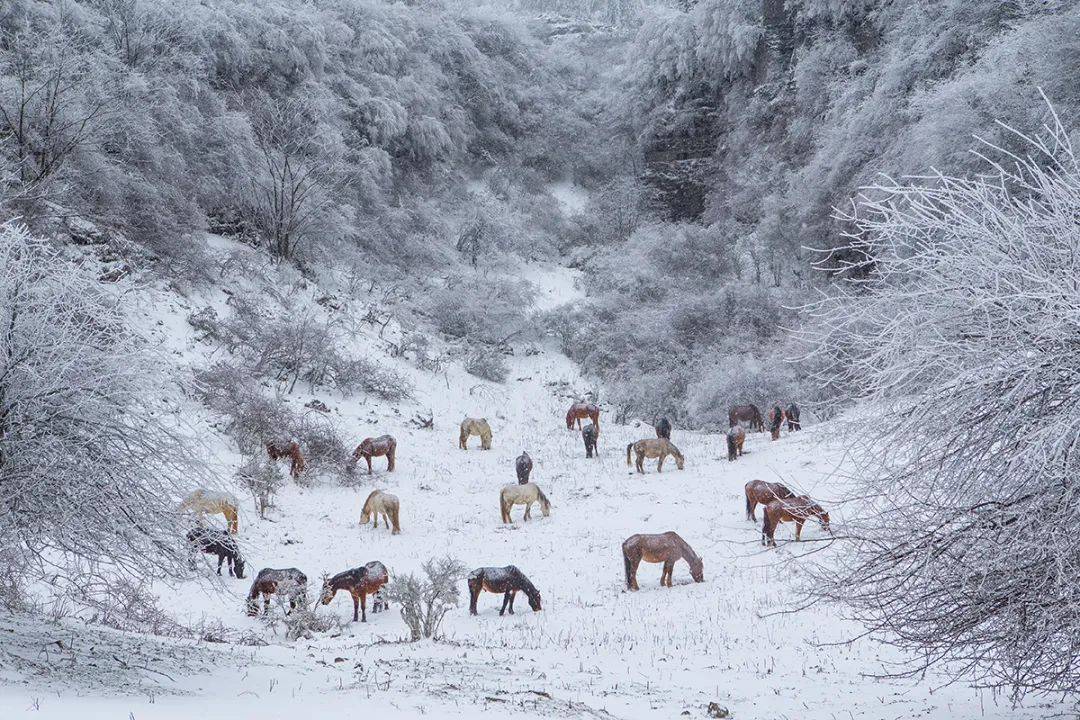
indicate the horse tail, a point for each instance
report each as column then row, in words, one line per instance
column 628, row 449
column 748, row 509
column 731, row 447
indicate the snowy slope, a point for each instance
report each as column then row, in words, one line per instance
column 594, row 651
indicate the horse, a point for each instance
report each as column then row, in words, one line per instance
column 278, row 449
column 795, row 509
column 212, row 502
column 381, row 503
column 736, row 437
column 475, row 426
column 580, row 410
column 220, row 543
column 759, row 492
column 658, row 448
column 526, row 495
column 384, row 445
column 748, row 414
column 523, row 467
column 590, row 434
column 663, row 428
column 507, row 580
column 288, row 582
column 776, row 419
column 664, row 548
column 793, row 418
column 359, row 582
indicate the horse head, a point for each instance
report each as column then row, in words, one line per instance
column 238, row 566
column 328, row 591
column 534, row 598
column 697, row 569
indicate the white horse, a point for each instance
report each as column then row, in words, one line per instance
column 526, row 495
column 381, row 503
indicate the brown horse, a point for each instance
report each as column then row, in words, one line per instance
column 359, row 582
column 278, row 449
column 506, row 580
column 748, row 414
column 759, row 492
column 290, row 583
column 523, row 467
column 796, row 509
column 654, row 448
column 581, row 410
column 664, row 548
column 736, row 438
column 776, row 420
column 382, row 446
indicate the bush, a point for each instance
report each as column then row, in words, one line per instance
column 263, row 478
column 487, row 364
column 425, row 601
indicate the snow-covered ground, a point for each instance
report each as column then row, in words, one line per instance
column 595, row 650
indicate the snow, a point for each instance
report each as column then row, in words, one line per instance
column 594, row 650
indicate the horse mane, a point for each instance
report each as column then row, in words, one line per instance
column 687, row 551
column 367, row 503
column 542, row 496
column 674, row 450
column 526, row 585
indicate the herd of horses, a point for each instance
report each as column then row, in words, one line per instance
column 779, row 505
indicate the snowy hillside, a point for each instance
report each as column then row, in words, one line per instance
column 595, row 650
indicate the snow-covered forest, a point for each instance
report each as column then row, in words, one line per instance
column 238, row 237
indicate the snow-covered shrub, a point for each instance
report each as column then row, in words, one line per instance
column 88, row 452
column 959, row 333
column 485, row 310
column 488, row 364
column 263, row 478
column 426, row 600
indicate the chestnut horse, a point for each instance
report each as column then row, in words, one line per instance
column 759, row 492
column 797, row 509
column 793, row 418
column 736, row 438
column 776, row 419
column 664, row 548
column 650, row 448
column 590, row 434
column 382, row 446
column 663, row 428
column 475, row 426
column 278, row 449
column 523, row 467
column 581, row 410
column 359, row 582
column 381, row 503
column 290, row 583
column 507, row 580
column 211, row 502
column 748, row 414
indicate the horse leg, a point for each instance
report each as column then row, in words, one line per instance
column 266, row 603
column 665, row 576
column 474, row 594
column 368, row 458
column 798, row 528
column 640, row 462
column 528, row 512
column 660, row 463
column 506, row 601
column 363, row 607
column 513, row 594
column 220, row 558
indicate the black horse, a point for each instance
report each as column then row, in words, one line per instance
column 793, row 418
column 663, row 428
column 507, row 580
column 590, row 435
column 776, row 420
column 217, row 542
column 523, row 466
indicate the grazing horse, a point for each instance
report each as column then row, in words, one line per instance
column 523, row 467
column 658, row 448
column 795, row 509
column 748, row 414
column 381, row 503
column 663, row 428
column 507, row 580
column 475, row 426
column 590, row 434
column 290, row 583
column 776, row 419
column 793, row 418
column 663, row 548
column 278, row 449
column 736, row 438
column 384, row 445
column 359, row 582
column 581, row 410
column 220, row 543
column 526, row 495
column 212, row 502
column 759, row 492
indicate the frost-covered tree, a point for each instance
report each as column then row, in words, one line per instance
column 959, row 332
column 91, row 462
